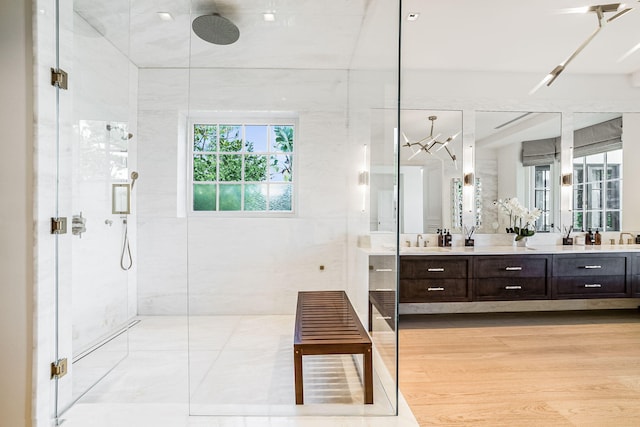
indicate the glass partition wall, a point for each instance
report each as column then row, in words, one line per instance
column 205, row 183
column 276, row 139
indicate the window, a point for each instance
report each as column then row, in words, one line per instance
column 597, row 191
column 542, row 196
column 242, row 167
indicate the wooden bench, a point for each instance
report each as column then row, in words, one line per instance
column 326, row 323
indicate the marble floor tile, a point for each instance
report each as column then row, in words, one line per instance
column 228, row 371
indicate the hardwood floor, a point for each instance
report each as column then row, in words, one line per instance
column 522, row 369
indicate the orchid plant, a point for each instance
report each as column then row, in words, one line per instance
column 521, row 220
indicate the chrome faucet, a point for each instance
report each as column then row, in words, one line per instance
column 622, row 234
column 418, row 240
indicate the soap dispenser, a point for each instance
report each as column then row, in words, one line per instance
column 447, row 239
column 598, row 237
column 440, row 238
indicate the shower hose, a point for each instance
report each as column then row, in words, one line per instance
column 126, row 260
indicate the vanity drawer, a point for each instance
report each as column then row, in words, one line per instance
column 504, row 289
column 635, row 263
column 382, row 272
column 439, row 290
column 382, row 264
column 508, row 266
column 635, row 287
column 600, row 265
column 590, row 287
column 438, row 267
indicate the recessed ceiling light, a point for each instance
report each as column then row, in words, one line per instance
column 413, row 16
column 165, row 16
column 269, row 16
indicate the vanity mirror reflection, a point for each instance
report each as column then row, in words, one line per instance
column 430, row 170
column 517, row 154
column 430, row 144
column 597, row 171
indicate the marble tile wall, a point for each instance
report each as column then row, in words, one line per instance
column 223, row 265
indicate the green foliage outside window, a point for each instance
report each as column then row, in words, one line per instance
column 204, row 167
column 218, row 157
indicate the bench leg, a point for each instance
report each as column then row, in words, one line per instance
column 297, row 363
column 368, row 377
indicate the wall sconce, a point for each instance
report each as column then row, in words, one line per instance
column 363, row 178
column 468, row 179
column 567, row 179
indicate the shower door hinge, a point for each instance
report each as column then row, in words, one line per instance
column 59, row 78
column 59, row 368
column 59, row 225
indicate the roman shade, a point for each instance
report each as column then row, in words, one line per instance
column 540, row 151
column 598, row 138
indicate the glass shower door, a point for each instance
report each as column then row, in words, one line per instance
column 94, row 274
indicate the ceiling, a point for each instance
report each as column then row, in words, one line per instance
column 492, row 35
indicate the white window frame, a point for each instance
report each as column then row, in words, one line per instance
column 244, row 120
column 551, row 188
column 583, row 209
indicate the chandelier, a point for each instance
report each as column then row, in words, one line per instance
column 618, row 9
column 430, row 144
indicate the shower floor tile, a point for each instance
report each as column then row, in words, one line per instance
column 215, row 367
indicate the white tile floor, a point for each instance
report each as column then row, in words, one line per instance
column 204, row 371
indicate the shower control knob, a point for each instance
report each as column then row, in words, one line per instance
column 78, row 225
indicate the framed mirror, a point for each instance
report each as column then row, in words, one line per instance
column 517, row 154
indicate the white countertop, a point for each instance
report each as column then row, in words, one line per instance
column 506, row 250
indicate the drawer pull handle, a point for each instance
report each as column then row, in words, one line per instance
column 383, row 317
column 435, row 289
column 513, row 288
column 513, row 268
column 383, row 289
column 592, row 285
column 435, row 270
column 591, row 267
column 383, row 269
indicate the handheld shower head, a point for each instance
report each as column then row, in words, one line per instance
column 134, row 176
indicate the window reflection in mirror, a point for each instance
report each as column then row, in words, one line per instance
column 597, row 172
column 430, row 165
column 518, row 155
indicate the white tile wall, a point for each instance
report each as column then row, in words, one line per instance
column 244, row 265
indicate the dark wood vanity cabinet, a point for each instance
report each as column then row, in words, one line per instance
column 635, row 275
column 508, row 278
column 434, row 278
column 459, row 278
column 603, row 275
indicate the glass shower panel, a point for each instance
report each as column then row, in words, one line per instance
column 287, row 209
column 96, row 150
